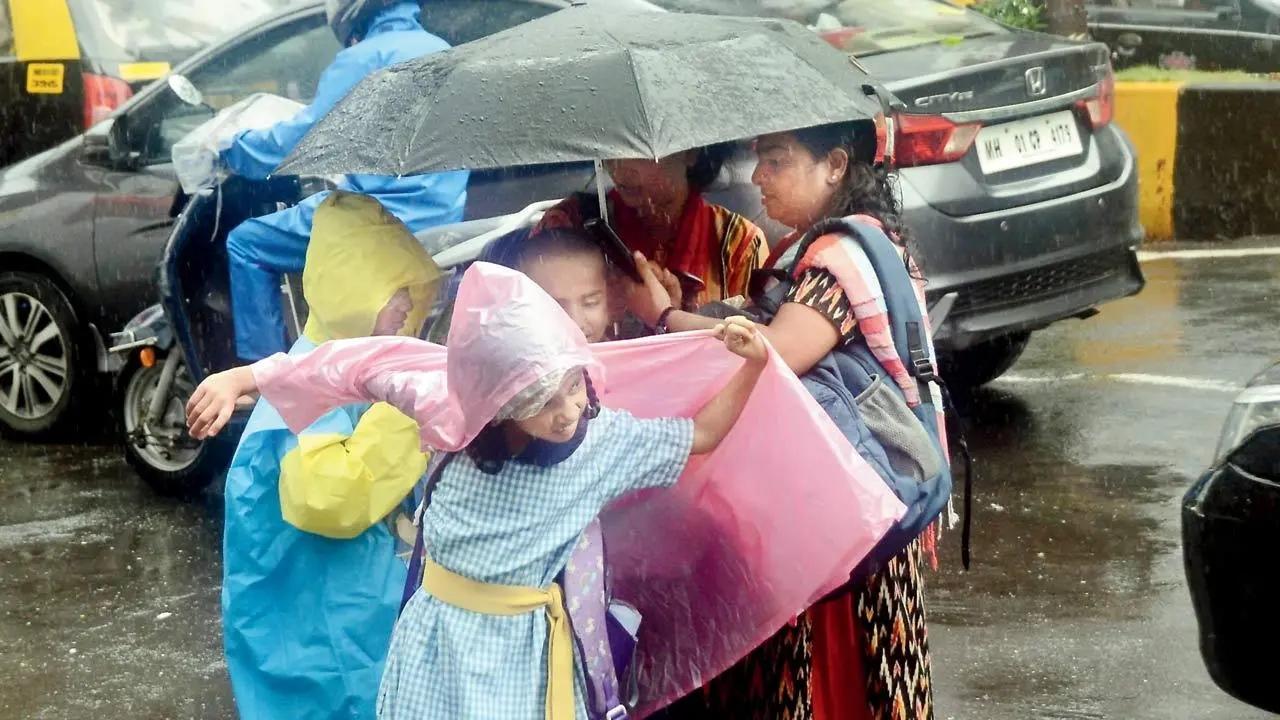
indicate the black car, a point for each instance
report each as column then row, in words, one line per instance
column 67, row 64
column 1229, row 528
column 1210, row 34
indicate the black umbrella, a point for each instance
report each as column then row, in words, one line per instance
column 587, row 84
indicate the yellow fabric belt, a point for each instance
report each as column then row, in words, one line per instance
column 490, row 599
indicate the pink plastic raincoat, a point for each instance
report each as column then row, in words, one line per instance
column 753, row 534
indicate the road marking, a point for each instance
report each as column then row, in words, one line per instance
column 1039, row 379
column 1178, row 382
column 1148, row 255
column 1185, row 383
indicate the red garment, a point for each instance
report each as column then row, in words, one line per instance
column 782, row 247
column 839, row 690
column 711, row 243
column 692, row 252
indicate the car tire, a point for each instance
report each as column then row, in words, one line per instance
column 173, row 465
column 979, row 364
column 43, row 368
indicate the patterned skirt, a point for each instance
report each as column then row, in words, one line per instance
column 775, row 682
column 895, row 640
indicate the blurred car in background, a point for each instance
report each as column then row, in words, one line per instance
column 1202, row 34
column 1018, row 189
column 67, row 64
column 1020, row 192
column 1229, row 527
column 82, row 224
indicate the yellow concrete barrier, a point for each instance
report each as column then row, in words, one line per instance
column 1148, row 112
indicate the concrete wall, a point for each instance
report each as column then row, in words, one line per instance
column 1208, row 157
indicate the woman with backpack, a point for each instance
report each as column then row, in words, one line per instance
column 861, row 653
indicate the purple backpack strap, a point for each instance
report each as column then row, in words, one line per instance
column 435, row 468
column 606, row 648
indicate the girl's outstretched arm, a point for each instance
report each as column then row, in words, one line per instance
column 212, row 403
column 714, row 421
column 340, row 372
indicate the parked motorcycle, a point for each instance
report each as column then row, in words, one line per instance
column 169, row 347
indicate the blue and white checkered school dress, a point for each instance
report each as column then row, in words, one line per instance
column 516, row 527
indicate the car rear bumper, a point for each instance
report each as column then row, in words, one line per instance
column 1228, row 530
column 1023, row 268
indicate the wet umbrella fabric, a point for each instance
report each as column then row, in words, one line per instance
column 584, row 84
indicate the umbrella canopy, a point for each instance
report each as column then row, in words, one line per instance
column 585, row 84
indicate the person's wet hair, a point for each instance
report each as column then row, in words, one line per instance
column 867, row 188
column 520, row 247
column 559, row 242
column 706, row 168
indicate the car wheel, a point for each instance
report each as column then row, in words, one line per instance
column 163, row 454
column 979, row 364
column 40, row 357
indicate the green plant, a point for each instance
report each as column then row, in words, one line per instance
column 1024, row 14
column 1150, row 73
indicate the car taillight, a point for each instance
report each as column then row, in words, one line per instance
column 840, row 38
column 931, row 140
column 1102, row 106
column 102, row 95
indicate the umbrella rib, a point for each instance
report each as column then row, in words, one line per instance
column 644, row 107
column 407, row 152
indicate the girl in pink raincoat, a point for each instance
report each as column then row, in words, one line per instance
column 486, row 634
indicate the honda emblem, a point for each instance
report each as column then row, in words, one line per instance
column 1036, row 85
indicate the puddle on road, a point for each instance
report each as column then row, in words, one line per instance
column 1053, row 538
column 103, row 579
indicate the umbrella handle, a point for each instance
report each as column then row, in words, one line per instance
column 600, row 193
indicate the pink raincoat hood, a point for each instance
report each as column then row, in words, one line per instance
column 506, row 333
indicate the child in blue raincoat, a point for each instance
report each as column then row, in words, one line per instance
column 311, row 583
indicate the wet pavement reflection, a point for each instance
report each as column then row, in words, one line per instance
column 108, row 594
column 1075, row 607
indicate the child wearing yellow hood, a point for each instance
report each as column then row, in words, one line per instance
column 311, row 583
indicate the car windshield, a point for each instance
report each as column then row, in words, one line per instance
column 168, row 30
column 860, row 27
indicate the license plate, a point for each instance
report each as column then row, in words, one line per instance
column 1028, row 142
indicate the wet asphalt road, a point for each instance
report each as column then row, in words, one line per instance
column 1075, row 608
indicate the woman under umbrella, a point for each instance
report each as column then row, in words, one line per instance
column 657, row 208
column 862, row 653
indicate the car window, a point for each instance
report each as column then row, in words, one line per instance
column 6, row 31
column 286, row 61
column 460, row 21
column 860, row 27
column 287, row 64
column 161, row 30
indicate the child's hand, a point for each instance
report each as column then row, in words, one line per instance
column 742, row 338
column 213, row 402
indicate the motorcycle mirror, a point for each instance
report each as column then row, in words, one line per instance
column 186, row 90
